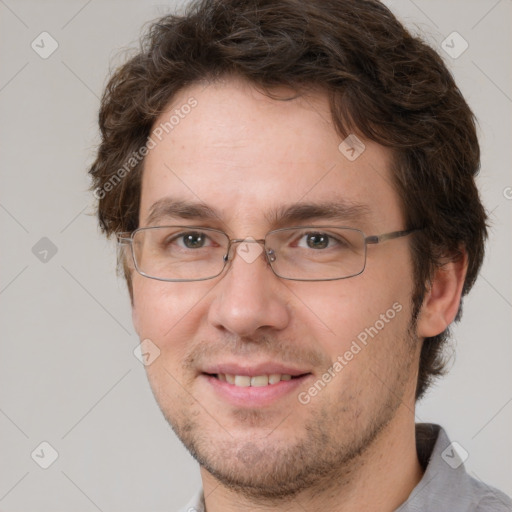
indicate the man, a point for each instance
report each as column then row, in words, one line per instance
column 292, row 187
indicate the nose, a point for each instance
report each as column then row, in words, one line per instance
column 249, row 296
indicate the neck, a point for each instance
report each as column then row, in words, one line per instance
column 380, row 480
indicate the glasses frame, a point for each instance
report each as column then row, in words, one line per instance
column 127, row 238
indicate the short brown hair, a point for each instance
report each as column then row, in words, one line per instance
column 382, row 83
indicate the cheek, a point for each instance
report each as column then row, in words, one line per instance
column 365, row 335
column 166, row 313
column 363, row 328
column 346, row 308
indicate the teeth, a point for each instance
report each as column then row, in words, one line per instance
column 273, row 378
column 242, row 381
column 260, row 380
column 257, row 381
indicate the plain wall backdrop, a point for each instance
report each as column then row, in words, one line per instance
column 68, row 375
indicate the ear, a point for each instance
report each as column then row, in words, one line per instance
column 442, row 299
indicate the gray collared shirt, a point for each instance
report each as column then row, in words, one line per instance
column 445, row 486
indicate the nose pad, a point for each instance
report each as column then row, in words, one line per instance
column 248, row 249
column 245, row 252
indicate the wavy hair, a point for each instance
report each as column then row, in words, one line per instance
column 382, row 83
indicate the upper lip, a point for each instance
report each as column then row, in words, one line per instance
column 252, row 370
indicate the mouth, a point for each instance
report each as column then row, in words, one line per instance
column 257, row 381
column 260, row 390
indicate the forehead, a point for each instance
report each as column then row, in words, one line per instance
column 246, row 156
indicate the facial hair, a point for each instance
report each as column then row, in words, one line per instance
column 328, row 449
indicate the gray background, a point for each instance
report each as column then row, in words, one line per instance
column 68, row 375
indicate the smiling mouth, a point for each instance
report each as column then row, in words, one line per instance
column 245, row 381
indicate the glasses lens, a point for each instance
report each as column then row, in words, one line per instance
column 317, row 253
column 177, row 253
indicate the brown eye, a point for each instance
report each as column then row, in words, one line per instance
column 317, row 240
column 193, row 240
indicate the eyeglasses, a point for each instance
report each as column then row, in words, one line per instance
column 305, row 253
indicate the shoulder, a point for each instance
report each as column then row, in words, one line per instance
column 489, row 498
column 446, row 485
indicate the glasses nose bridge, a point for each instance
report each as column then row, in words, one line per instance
column 248, row 240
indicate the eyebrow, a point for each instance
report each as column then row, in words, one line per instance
column 339, row 210
column 286, row 215
column 168, row 207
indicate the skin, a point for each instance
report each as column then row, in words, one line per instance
column 352, row 447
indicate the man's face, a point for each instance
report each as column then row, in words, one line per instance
column 249, row 158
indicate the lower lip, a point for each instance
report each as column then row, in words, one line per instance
column 254, row 396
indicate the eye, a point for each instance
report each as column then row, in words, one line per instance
column 316, row 241
column 192, row 240
column 188, row 240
